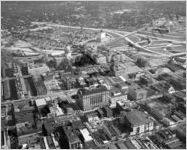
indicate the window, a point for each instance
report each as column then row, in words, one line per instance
column 137, row 130
column 96, row 99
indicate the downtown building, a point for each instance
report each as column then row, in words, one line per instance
column 137, row 121
column 91, row 98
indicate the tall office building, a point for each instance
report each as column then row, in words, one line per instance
column 114, row 67
column 92, row 98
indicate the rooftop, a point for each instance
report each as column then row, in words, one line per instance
column 131, row 68
column 24, row 116
column 3, row 111
column 40, row 102
column 98, row 89
column 72, row 137
column 90, row 145
column 115, row 80
column 137, row 118
column 86, row 135
column 137, row 87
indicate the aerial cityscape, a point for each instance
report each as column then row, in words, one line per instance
column 93, row 74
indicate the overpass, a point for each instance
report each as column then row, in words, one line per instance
column 163, row 39
column 116, row 32
column 145, row 49
column 112, row 30
column 178, row 54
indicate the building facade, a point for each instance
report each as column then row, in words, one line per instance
column 117, row 95
column 71, row 138
column 37, row 69
column 138, row 121
column 137, row 93
column 92, row 98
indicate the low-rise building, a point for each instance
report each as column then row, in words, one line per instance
column 168, row 122
column 102, row 36
column 121, row 145
column 69, row 82
column 6, row 90
column 181, row 131
column 92, row 117
column 129, row 144
column 123, row 87
column 86, row 135
column 32, row 141
column 136, row 92
column 117, row 95
column 39, row 86
column 26, row 123
column 100, row 59
column 111, row 130
column 154, row 112
column 52, row 85
column 90, row 145
column 55, row 110
column 71, row 138
column 37, row 69
column 116, row 80
column 125, row 105
column 40, row 102
column 138, row 121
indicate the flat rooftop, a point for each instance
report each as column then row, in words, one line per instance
column 137, row 118
column 92, row 91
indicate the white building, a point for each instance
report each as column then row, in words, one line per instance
column 37, row 69
column 40, row 102
column 86, row 135
column 102, row 37
column 101, row 59
column 52, row 85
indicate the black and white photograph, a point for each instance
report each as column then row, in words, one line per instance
column 93, row 74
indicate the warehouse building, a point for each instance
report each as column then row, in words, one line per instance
column 138, row 121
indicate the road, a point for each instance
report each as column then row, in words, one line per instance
column 66, row 95
column 127, row 33
column 163, row 39
column 116, row 32
column 55, row 94
column 11, row 78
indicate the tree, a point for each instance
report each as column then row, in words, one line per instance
column 51, row 64
column 44, row 130
column 141, row 62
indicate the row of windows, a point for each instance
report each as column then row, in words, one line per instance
column 95, row 99
column 75, row 145
column 145, row 128
column 93, row 95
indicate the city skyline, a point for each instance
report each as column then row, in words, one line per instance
column 93, row 75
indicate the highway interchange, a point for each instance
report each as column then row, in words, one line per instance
column 121, row 34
